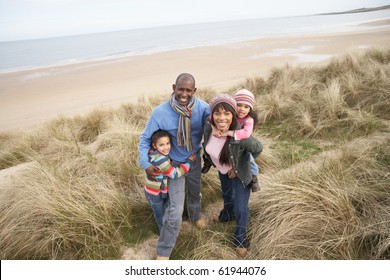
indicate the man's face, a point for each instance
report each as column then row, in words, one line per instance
column 184, row 90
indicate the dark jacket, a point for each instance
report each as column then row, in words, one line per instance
column 240, row 151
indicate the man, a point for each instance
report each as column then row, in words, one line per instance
column 184, row 117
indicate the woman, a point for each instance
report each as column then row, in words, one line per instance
column 232, row 159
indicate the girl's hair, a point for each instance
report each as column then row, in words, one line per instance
column 254, row 116
column 224, row 155
column 157, row 135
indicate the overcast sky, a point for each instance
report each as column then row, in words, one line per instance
column 27, row 19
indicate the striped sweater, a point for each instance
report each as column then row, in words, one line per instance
column 163, row 163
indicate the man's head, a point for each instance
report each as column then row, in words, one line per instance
column 184, row 88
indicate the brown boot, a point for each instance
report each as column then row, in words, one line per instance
column 200, row 224
column 241, row 252
column 161, row 258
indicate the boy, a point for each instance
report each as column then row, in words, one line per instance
column 156, row 192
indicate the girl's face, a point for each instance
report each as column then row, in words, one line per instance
column 163, row 145
column 243, row 110
column 222, row 119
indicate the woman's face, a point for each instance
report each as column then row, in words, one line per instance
column 222, row 119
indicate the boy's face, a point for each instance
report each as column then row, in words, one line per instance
column 163, row 145
column 242, row 110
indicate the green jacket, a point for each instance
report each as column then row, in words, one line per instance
column 240, row 151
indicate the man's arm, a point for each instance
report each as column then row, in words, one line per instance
column 145, row 141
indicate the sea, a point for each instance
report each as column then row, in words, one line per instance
column 38, row 53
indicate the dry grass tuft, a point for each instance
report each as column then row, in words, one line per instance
column 116, row 153
column 51, row 212
column 322, row 102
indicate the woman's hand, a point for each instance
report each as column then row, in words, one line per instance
column 231, row 174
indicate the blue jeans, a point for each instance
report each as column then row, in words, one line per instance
column 159, row 205
column 174, row 211
column 235, row 204
column 254, row 167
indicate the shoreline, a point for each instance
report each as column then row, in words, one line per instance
column 31, row 97
column 370, row 24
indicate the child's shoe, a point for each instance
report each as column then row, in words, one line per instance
column 255, row 184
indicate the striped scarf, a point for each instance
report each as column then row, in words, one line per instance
column 184, row 138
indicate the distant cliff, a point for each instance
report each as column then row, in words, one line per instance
column 361, row 10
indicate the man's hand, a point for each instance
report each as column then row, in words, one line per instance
column 192, row 157
column 151, row 172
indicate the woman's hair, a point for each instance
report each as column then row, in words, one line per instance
column 157, row 135
column 224, row 155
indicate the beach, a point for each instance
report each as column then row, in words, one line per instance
column 32, row 97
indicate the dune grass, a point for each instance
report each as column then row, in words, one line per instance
column 337, row 210
column 324, row 174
